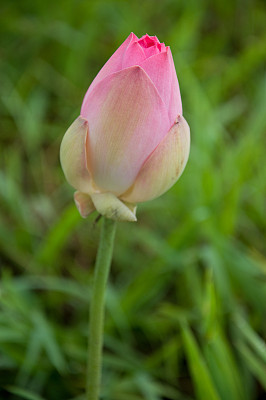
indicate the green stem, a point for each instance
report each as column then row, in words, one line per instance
column 102, row 267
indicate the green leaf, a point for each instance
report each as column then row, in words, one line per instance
column 255, row 342
column 204, row 385
column 253, row 363
column 47, row 338
column 23, row 393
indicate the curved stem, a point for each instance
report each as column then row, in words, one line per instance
column 102, row 267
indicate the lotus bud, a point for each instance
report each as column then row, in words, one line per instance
column 130, row 143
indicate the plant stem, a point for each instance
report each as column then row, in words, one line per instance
column 95, row 343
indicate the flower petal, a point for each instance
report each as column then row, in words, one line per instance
column 114, row 64
column 151, row 51
column 84, row 204
column 159, row 70
column 163, row 167
column 147, row 41
column 127, row 120
column 72, row 155
column 134, row 55
column 111, row 207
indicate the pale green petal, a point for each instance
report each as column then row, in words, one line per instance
column 72, row 155
column 111, row 207
column 164, row 166
column 84, row 204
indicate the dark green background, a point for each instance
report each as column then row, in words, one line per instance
column 186, row 303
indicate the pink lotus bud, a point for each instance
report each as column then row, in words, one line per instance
column 130, row 143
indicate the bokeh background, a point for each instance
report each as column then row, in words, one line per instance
column 186, row 301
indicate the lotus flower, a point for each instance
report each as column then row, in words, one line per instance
column 130, row 143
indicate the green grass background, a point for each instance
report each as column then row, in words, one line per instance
column 186, row 301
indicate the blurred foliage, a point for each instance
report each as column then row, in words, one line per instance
column 186, row 303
